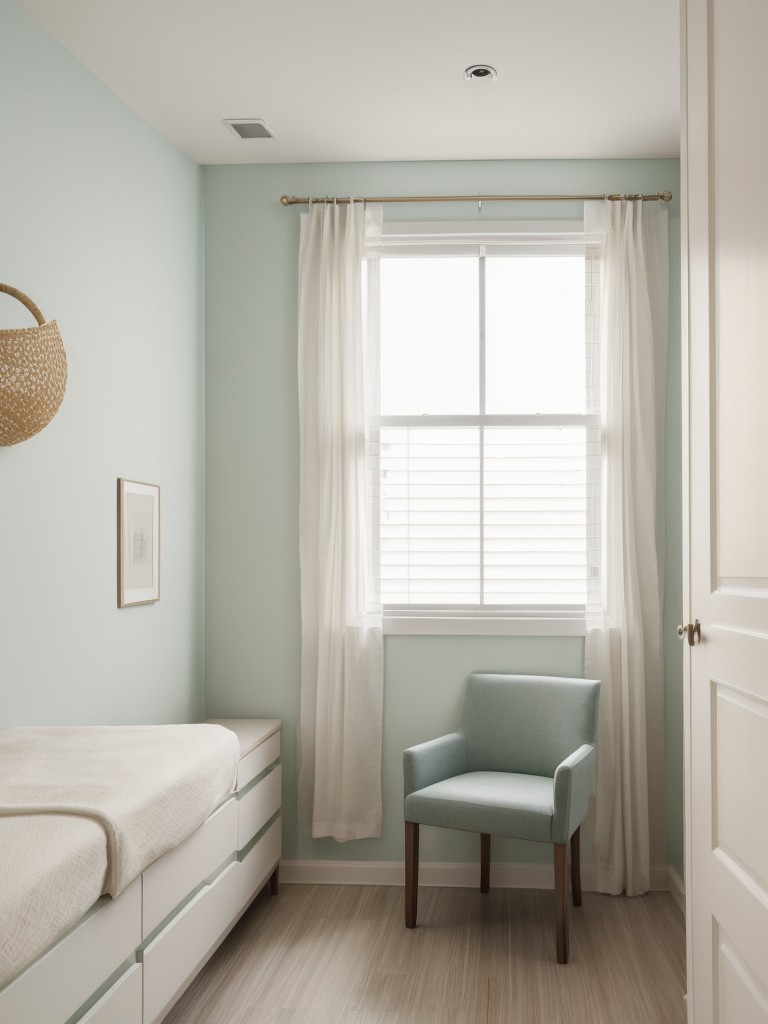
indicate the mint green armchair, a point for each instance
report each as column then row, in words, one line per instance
column 520, row 766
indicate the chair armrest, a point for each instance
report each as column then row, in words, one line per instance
column 573, row 778
column 434, row 761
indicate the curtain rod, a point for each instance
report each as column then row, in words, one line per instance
column 616, row 197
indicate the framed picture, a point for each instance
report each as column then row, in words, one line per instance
column 138, row 548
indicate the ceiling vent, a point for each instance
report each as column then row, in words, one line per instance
column 249, row 128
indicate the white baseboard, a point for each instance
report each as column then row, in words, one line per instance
column 343, row 872
column 467, row 876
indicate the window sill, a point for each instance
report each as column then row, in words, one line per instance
column 458, row 625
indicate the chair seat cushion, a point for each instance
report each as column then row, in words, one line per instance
column 499, row 803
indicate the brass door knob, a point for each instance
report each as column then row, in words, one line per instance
column 692, row 632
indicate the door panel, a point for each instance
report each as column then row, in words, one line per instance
column 725, row 160
column 741, row 998
column 740, row 762
column 739, row 155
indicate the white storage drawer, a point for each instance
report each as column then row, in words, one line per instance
column 176, row 954
column 112, row 940
column 56, row 985
column 259, row 863
column 257, row 806
column 261, row 757
column 121, row 1004
column 170, row 879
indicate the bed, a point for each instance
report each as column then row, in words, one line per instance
column 127, row 856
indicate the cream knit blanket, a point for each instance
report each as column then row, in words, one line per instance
column 149, row 786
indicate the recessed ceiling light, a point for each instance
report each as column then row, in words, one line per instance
column 249, row 128
column 480, row 71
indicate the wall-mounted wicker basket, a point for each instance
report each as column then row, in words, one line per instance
column 33, row 374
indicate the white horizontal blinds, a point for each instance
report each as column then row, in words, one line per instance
column 498, row 509
column 430, row 515
column 536, row 515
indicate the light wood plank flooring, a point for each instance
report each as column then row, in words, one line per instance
column 332, row 954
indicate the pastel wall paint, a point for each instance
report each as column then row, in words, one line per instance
column 101, row 222
column 253, row 610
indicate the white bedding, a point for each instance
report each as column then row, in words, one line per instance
column 52, row 869
column 148, row 786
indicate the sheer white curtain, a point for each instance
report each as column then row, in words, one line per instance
column 342, row 660
column 623, row 643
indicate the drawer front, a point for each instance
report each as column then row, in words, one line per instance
column 172, row 959
column 170, row 879
column 121, row 1004
column 257, row 806
column 257, row 760
column 55, row 986
column 259, row 863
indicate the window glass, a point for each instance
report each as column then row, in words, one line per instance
column 534, row 323
column 501, row 512
column 429, row 336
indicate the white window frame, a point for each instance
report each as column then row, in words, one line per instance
column 466, row 239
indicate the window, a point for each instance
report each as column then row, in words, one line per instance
column 488, row 449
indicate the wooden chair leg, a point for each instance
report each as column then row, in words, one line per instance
column 576, row 868
column 411, row 872
column 561, row 901
column 485, row 862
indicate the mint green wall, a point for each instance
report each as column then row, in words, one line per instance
column 253, row 613
column 102, row 225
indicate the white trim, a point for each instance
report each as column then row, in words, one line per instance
column 444, row 873
column 470, row 228
column 467, row 238
column 456, row 619
column 457, row 625
column 676, row 887
column 536, row 419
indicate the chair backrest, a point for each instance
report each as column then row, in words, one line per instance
column 527, row 724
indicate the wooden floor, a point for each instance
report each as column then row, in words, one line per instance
column 332, row 954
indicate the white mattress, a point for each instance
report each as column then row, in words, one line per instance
column 52, row 870
column 150, row 786
column 84, row 810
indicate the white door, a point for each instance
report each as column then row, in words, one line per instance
column 725, row 169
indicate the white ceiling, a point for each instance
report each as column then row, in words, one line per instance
column 357, row 80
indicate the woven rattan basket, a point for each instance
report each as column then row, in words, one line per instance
column 33, row 374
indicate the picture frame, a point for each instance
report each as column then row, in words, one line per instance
column 138, row 545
